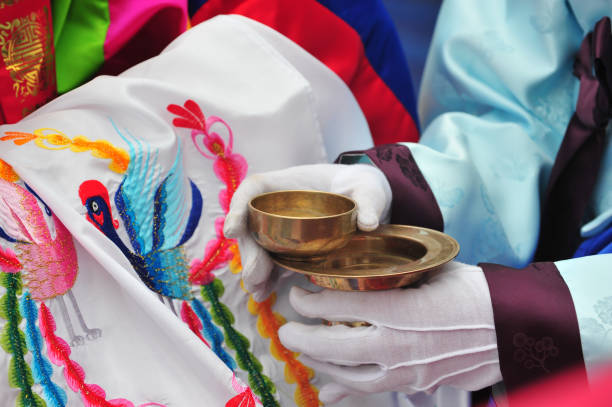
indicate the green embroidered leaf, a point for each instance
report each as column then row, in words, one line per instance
column 3, row 279
column 5, row 340
column 269, row 384
column 221, row 312
column 244, row 340
column 249, row 363
column 215, row 289
column 242, row 358
column 30, row 400
column 8, row 306
column 38, row 401
column 218, row 288
column 9, row 344
column 19, row 374
column 18, row 284
column 256, row 363
column 12, row 281
column 3, row 308
column 263, row 387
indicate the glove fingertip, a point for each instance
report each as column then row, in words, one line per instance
column 289, row 335
column 232, row 227
column 367, row 221
column 332, row 393
column 298, row 298
column 265, row 289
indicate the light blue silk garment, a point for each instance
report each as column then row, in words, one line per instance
column 496, row 98
column 592, row 298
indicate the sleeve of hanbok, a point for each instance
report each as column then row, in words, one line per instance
column 589, row 280
column 497, row 96
column 552, row 316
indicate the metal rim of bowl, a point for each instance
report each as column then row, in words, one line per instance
column 253, row 208
column 306, row 268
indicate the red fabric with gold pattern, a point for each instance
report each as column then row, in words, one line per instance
column 27, row 67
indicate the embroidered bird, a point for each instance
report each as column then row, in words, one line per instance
column 156, row 216
column 45, row 250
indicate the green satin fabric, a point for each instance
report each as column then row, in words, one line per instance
column 79, row 29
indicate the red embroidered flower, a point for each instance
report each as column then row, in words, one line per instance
column 8, row 261
column 245, row 397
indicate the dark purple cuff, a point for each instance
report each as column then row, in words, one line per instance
column 413, row 202
column 535, row 321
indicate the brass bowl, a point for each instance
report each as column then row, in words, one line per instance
column 302, row 224
column 392, row 256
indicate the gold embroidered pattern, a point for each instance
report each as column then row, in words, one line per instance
column 24, row 45
column 8, row 3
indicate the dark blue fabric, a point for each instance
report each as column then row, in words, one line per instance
column 382, row 45
column 415, row 21
column 194, row 5
column 598, row 244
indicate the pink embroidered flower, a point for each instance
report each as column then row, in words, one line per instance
column 216, row 255
column 229, row 167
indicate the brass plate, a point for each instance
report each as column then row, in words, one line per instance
column 389, row 257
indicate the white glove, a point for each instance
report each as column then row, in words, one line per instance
column 365, row 184
column 438, row 333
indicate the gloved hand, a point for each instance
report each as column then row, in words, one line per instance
column 438, row 333
column 365, row 184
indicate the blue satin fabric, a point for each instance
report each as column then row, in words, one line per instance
column 382, row 46
column 598, row 244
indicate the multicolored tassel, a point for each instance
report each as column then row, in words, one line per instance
column 268, row 324
column 42, row 369
column 212, row 333
column 13, row 342
column 260, row 383
column 59, row 354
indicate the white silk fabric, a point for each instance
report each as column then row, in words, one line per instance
column 283, row 108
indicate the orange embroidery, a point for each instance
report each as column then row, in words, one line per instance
column 7, row 172
column 268, row 324
column 231, row 168
column 235, row 264
column 51, row 139
column 19, row 138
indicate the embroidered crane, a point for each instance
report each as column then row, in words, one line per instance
column 156, row 216
column 49, row 262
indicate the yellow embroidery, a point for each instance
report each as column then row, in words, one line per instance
column 24, row 46
column 235, row 264
column 268, row 324
column 51, row 139
column 7, row 172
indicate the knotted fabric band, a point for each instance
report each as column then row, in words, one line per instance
column 577, row 164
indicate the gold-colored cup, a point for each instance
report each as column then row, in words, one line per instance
column 302, row 225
